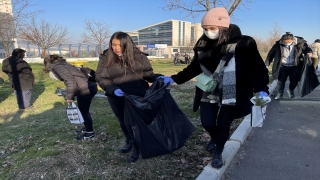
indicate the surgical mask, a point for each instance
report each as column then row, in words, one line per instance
column 212, row 34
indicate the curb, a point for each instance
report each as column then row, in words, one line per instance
column 232, row 146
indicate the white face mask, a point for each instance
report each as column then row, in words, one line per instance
column 212, row 34
column 288, row 44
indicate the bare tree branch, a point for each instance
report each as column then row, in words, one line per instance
column 44, row 34
column 192, row 8
column 12, row 20
column 96, row 32
column 274, row 34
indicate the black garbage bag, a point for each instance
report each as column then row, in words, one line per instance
column 158, row 124
column 309, row 80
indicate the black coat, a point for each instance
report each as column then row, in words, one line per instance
column 300, row 48
column 251, row 73
column 132, row 81
column 19, row 71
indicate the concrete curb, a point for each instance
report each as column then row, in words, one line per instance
column 232, row 146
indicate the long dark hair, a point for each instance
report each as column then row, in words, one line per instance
column 51, row 59
column 128, row 50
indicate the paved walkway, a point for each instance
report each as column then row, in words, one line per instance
column 287, row 147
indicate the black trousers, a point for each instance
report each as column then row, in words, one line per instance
column 217, row 125
column 293, row 72
column 117, row 106
column 84, row 102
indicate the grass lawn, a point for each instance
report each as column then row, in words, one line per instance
column 39, row 143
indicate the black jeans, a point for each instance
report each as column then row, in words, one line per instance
column 117, row 106
column 217, row 126
column 84, row 102
column 293, row 72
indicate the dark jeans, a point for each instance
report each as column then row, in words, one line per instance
column 23, row 98
column 117, row 106
column 217, row 126
column 293, row 73
column 84, row 102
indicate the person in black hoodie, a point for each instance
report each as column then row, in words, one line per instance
column 242, row 71
column 288, row 55
column 77, row 84
column 20, row 76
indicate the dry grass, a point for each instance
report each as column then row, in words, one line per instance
column 38, row 143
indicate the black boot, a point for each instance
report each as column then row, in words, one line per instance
column 211, row 145
column 126, row 148
column 217, row 157
column 135, row 153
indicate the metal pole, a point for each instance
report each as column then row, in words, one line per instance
column 88, row 49
column 79, row 51
column 39, row 51
column 28, row 49
column 70, row 54
column 97, row 54
column 59, row 47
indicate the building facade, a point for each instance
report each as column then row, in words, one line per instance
column 176, row 35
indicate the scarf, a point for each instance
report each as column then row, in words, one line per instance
column 225, row 76
column 229, row 83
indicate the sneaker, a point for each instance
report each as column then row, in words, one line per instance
column 279, row 96
column 82, row 130
column 27, row 108
column 290, row 93
column 86, row 136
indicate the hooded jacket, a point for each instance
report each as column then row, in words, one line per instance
column 275, row 54
column 131, row 81
column 251, row 73
column 76, row 82
column 19, row 71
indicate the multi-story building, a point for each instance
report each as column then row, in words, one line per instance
column 175, row 35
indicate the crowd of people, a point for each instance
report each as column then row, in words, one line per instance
column 232, row 60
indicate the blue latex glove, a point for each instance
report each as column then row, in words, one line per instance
column 263, row 94
column 118, row 92
column 166, row 79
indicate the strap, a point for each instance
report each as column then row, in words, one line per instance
column 221, row 66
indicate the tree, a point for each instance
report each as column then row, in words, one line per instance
column 44, row 34
column 192, row 8
column 274, row 34
column 12, row 19
column 96, row 32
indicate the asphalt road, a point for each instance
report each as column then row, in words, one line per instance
column 287, row 147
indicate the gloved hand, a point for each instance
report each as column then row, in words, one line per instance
column 118, row 92
column 166, row 79
column 263, row 94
